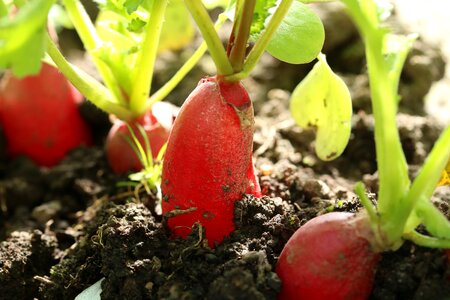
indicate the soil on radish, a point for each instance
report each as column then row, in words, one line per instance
column 62, row 249
column 64, row 228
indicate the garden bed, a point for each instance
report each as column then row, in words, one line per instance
column 62, row 229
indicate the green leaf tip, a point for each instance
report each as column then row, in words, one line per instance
column 322, row 100
column 23, row 38
column 300, row 36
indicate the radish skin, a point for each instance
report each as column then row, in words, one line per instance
column 330, row 257
column 208, row 161
column 121, row 156
column 40, row 118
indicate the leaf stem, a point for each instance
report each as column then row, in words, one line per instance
column 87, row 85
column 425, row 183
column 143, row 73
column 184, row 70
column 240, row 38
column 427, row 241
column 91, row 41
column 262, row 42
column 360, row 191
column 392, row 167
column 210, row 36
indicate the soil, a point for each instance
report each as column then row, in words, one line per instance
column 64, row 228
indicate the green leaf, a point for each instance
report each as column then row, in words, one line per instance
column 263, row 10
column 322, row 100
column 300, row 36
column 22, row 39
column 136, row 25
column 132, row 5
column 178, row 29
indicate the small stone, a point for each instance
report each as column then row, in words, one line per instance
column 317, row 188
column 46, row 211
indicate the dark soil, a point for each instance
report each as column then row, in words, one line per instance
column 62, row 229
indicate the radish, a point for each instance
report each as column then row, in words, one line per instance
column 208, row 164
column 208, row 161
column 156, row 123
column 40, row 118
column 334, row 256
column 330, row 257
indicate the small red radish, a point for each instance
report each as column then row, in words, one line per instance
column 121, row 156
column 40, row 118
column 208, row 161
column 330, row 257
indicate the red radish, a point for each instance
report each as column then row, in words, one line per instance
column 208, row 161
column 156, row 123
column 40, row 117
column 330, row 257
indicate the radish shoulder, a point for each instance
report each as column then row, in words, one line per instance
column 330, row 257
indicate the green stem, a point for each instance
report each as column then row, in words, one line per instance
column 435, row 222
column 183, row 71
column 87, row 85
column 392, row 166
column 262, row 42
column 143, row 72
column 210, row 36
column 239, row 47
column 425, row 183
column 427, row 241
column 3, row 9
column 91, row 41
column 360, row 191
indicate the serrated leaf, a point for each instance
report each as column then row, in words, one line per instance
column 136, row 25
column 300, row 36
column 131, row 5
column 263, row 10
column 322, row 100
column 22, row 38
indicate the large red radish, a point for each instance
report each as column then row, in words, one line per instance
column 208, row 161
